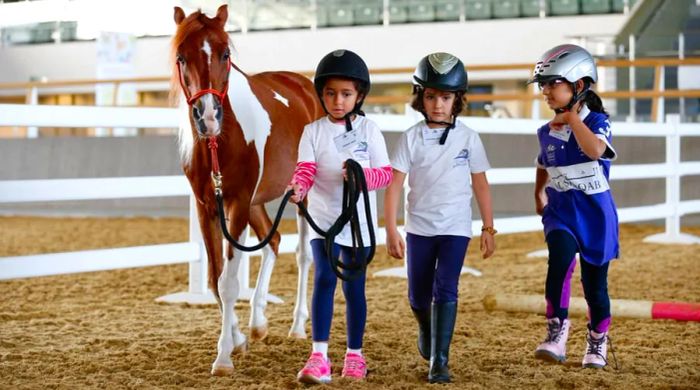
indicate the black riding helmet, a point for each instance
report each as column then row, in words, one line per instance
column 346, row 64
column 441, row 71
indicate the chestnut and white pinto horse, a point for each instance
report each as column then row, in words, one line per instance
column 257, row 122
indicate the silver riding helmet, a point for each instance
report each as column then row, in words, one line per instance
column 569, row 62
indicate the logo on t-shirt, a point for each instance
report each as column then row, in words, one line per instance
column 360, row 152
column 461, row 158
column 551, row 156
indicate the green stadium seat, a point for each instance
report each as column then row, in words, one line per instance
column 69, row 31
column 398, row 11
column 595, row 6
column 42, row 33
column 565, row 7
column 619, row 5
column 532, row 7
column 321, row 14
column 340, row 14
column 477, row 9
column 421, row 11
column 369, row 11
column 447, row 9
column 506, row 8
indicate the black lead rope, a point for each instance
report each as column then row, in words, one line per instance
column 266, row 240
column 352, row 188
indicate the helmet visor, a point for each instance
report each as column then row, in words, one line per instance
column 539, row 78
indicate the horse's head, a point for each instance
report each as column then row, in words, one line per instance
column 201, row 62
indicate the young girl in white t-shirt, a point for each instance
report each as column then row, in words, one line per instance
column 444, row 161
column 342, row 82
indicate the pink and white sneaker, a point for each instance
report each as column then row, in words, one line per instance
column 317, row 370
column 354, row 366
column 553, row 349
column 596, row 350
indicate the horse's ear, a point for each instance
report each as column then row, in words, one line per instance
column 179, row 15
column 222, row 14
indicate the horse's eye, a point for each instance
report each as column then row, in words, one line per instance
column 226, row 55
column 181, row 59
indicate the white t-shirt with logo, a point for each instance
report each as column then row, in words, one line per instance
column 328, row 145
column 439, row 178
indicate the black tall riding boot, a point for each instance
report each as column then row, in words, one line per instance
column 443, row 324
column 423, row 318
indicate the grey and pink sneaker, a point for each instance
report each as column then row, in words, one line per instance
column 596, row 350
column 317, row 370
column 553, row 349
column 354, row 366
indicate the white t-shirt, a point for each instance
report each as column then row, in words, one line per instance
column 439, row 178
column 320, row 144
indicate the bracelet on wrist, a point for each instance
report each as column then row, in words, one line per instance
column 489, row 229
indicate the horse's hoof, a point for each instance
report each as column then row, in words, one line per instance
column 258, row 333
column 297, row 335
column 222, row 371
column 241, row 348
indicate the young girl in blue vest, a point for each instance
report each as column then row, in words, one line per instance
column 573, row 196
column 444, row 161
column 342, row 82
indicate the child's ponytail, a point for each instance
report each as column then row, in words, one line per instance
column 594, row 102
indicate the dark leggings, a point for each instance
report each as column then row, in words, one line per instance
column 325, row 281
column 562, row 251
column 434, row 265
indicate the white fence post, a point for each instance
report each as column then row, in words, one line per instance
column 673, row 234
column 198, row 291
column 198, row 269
column 33, row 99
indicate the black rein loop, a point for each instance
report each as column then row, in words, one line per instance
column 353, row 186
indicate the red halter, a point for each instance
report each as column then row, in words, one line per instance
column 216, row 174
column 190, row 100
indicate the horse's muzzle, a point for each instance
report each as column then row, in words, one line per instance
column 207, row 115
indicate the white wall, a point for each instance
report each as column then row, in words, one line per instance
column 475, row 42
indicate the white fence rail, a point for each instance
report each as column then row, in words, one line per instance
column 14, row 191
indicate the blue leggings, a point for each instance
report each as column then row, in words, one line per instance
column 325, row 281
column 562, row 251
column 434, row 265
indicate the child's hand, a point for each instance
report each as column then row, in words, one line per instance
column 540, row 203
column 394, row 244
column 560, row 120
column 488, row 245
column 298, row 193
column 345, row 172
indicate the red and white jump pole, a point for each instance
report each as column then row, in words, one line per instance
column 623, row 308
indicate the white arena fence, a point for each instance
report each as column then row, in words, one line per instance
column 192, row 252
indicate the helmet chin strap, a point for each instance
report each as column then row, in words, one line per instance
column 347, row 117
column 578, row 96
column 450, row 126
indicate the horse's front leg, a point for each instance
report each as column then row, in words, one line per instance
column 304, row 261
column 262, row 225
column 231, row 338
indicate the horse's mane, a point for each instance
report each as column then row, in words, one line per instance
column 191, row 24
